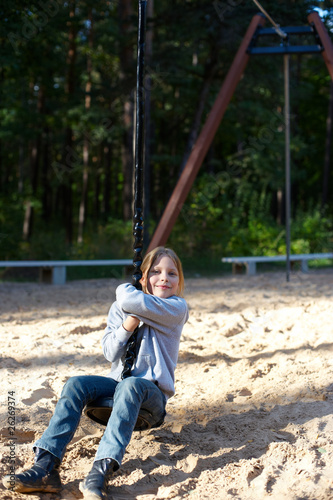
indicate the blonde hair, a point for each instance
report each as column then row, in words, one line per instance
column 151, row 258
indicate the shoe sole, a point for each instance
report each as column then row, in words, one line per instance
column 20, row 487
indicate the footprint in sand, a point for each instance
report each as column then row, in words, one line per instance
column 37, row 395
column 189, row 464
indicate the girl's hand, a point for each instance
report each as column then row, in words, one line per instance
column 130, row 323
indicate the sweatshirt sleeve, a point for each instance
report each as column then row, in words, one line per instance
column 163, row 314
column 115, row 336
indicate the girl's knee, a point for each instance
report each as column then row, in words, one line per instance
column 73, row 384
column 132, row 384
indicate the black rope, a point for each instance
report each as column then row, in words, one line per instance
column 130, row 355
column 131, row 349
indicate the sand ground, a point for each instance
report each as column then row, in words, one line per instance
column 252, row 415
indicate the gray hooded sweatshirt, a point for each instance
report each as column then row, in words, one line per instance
column 161, row 324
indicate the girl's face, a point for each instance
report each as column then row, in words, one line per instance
column 163, row 278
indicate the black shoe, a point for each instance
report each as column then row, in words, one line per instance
column 94, row 485
column 43, row 475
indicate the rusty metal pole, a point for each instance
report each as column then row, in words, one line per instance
column 325, row 39
column 205, row 139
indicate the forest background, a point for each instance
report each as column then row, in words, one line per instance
column 67, row 88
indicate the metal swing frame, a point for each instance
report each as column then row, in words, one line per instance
column 323, row 45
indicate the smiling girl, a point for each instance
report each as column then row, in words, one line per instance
column 160, row 312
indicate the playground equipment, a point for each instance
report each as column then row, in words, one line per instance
column 100, row 409
column 322, row 44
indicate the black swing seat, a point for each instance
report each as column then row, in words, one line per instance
column 100, row 410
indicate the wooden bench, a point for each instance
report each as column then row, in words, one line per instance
column 251, row 262
column 54, row 271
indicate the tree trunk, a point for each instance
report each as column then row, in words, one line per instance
column 34, row 171
column 328, row 149
column 66, row 194
column 127, row 64
column 107, row 181
column 2, row 78
column 27, row 223
column 87, row 104
column 210, row 70
column 20, row 166
column 98, row 171
column 127, row 160
column 280, row 207
column 68, row 143
column 46, row 196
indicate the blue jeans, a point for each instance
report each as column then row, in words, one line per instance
column 129, row 396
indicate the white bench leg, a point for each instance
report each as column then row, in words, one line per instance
column 304, row 266
column 251, row 268
column 58, row 275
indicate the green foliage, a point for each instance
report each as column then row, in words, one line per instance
column 11, row 224
column 231, row 209
column 316, row 228
column 310, row 233
column 110, row 241
column 209, row 227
